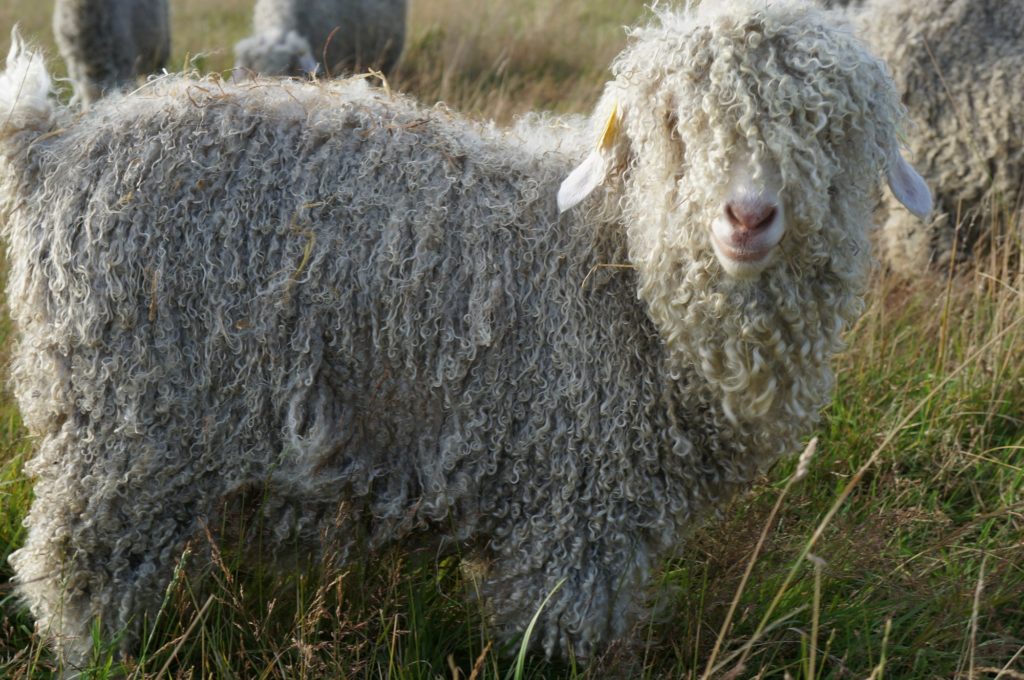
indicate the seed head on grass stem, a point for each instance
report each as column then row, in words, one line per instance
column 803, row 465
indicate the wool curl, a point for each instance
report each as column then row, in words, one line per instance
column 107, row 44
column 958, row 66
column 340, row 36
column 331, row 297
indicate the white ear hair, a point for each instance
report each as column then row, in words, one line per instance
column 594, row 169
column 908, row 186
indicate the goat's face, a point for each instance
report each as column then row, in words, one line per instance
column 752, row 136
column 752, row 220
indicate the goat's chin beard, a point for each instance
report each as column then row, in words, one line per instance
column 760, row 338
column 762, row 359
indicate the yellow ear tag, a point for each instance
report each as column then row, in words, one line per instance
column 611, row 129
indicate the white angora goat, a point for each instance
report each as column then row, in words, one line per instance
column 106, row 44
column 332, row 37
column 344, row 299
column 959, row 67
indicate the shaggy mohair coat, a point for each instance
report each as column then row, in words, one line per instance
column 335, row 37
column 371, row 315
column 959, row 68
column 106, row 44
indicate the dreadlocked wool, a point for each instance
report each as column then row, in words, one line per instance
column 371, row 315
column 106, row 44
column 959, row 67
column 333, row 37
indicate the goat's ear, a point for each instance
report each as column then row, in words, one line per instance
column 908, row 186
column 594, row 169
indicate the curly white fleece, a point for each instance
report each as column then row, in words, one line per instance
column 326, row 297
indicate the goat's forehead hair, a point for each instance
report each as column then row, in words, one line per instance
column 792, row 24
column 729, row 14
column 760, row 64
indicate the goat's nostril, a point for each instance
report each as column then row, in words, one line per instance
column 767, row 219
column 748, row 217
column 731, row 216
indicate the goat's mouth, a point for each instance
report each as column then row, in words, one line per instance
column 747, row 253
column 746, row 248
column 744, row 258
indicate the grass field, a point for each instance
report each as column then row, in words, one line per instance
column 900, row 555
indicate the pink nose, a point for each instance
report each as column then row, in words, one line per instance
column 750, row 217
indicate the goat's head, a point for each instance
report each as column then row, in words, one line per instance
column 756, row 134
column 743, row 145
